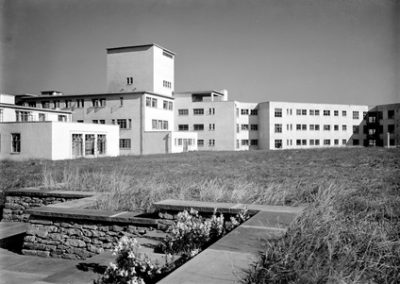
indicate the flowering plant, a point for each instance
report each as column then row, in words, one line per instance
column 130, row 267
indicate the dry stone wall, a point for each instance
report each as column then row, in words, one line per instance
column 15, row 206
column 74, row 239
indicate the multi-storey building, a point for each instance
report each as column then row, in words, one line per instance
column 287, row 125
column 383, row 126
column 140, row 82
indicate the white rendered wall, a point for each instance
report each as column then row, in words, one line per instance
column 176, row 148
column 157, row 113
column 7, row 99
column 134, row 62
column 291, row 118
column 163, row 71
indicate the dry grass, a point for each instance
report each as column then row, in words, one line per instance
column 349, row 232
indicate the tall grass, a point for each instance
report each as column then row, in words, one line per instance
column 342, row 237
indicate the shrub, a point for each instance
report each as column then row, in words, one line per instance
column 131, row 267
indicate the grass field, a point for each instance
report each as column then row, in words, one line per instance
column 349, row 232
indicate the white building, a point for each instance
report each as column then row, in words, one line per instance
column 32, row 133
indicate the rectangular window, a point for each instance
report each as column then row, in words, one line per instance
column 343, row 141
column 356, row 142
column 327, row 127
column 89, row 144
column 80, row 103
column 336, row 127
column 336, row 113
column 237, row 128
column 317, row 112
column 356, row 129
column 183, row 112
column 211, row 142
column 122, row 123
column 170, row 106
column 183, row 127
column 298, row 111
column 198, row 127
column 356, row 115
column 336, row 141
column 304, row 142
column 327, row 112
column 390, row 114
column 148, row 101
column 198, row 111
column 344, row 113
column 15, row 142
column 211, row 111
column 80, row 121
column 245, row 127
column 124, row 144
column 200, row 143
column 327, row 142
column 304, row 127
column 254, row 127
column 278, row 143
column 42, row 117
column 32, row 104
column 312, row 142
column 317, row 127
column 298, row 142
column 211, row 126
column 278, row 112
column 237, row 143
column 129, row 80
column 316, row 142
column 244, row 111
column 344, row 127
column 23, row 116
column 68, row 103
column 278, row 128
column 254, row 142
column 56, row 104
column 311, row 112
column 159, row 124
column 391, row 128
column 311, row 126
column 253, row 112
column 303, row 112
column 298, row 126
column 245, row 142
column 62, row 118
column 95, row 121
column 165, row 105
column 154, row 102
column 77, row 145
column 101, row 144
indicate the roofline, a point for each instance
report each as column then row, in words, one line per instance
column 40, row 97
column 34, row 108
column 287, row 102
column 200, row 92
column 138, row 46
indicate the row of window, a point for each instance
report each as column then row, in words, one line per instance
column 316, row 112
column 87, row 144
column 79, row 103
column 167, row 84
column 311, row 142
column 159, row 124
column 196, row 111
column 312, row 127
column 153, row 102
column 196, row 127
column 245, row 111
column 246, row 142
column 23, row 116
column 246, row 127
column 185, row 141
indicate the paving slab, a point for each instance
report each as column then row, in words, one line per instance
column 212, row 266
column 271, row 219
column 246, row 240
column 9, row 229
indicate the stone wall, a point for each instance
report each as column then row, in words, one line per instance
column 17, row 202
column 80, row 239
column 15, row 206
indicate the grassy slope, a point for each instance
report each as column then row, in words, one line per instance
column 349, row 233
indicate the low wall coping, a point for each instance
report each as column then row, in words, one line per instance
column 42, row 192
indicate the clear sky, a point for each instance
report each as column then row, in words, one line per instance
column 327, row 51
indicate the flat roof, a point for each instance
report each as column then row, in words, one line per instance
column 41, row 97
column 199, row 92
column 139, row 46
column 33, row 108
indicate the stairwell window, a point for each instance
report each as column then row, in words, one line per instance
column 15, row 143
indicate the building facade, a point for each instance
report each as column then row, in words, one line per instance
column 33, row 133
